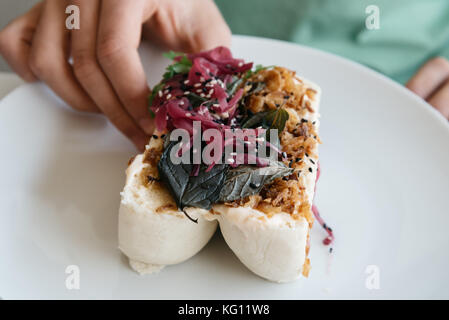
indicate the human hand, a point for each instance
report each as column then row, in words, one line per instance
column 107, row 75
column 431, row 83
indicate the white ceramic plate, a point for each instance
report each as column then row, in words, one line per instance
column 384, row 190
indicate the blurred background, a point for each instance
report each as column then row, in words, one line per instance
column 410, row 31
column 9, row 9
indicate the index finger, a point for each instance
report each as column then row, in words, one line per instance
column 118, row 39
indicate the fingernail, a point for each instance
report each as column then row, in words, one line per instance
column 147, row 125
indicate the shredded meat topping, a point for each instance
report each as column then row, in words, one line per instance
column 299, row 140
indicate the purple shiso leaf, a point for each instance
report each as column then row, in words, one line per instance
column 195, row 170
column 201, row 68
column 177, row 113
column 222, row 58
column 161, row 118
column 233, row 103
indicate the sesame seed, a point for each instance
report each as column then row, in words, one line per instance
column 169, row 96
column 297, row 159
column 312, row 161
column 186, row 81
column 310, row 170
column 196, row 85
column 160, row 93
column 252, row 185
column 186, row 92
column 155, row 136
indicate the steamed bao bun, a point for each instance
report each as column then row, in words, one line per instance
column 154, row 233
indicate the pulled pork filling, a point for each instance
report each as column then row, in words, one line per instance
column 221, row 91
column 279, row 87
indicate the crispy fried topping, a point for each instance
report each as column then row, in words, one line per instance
column 279, row 87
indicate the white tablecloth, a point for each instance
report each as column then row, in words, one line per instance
column 8, row 82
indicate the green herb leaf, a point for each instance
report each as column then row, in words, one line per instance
column 256, row 120
column 231, row 88
column 182, row 66
column 199, row 191
column 246, row 180
column 195, row 99
column 258, row 68
column 172, row 54
column 277, row 119
column 274, row 119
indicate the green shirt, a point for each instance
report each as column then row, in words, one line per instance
column 410, row 31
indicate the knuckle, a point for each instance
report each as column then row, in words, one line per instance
column 108, row 48
column 84, row 65
column 441, row 62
